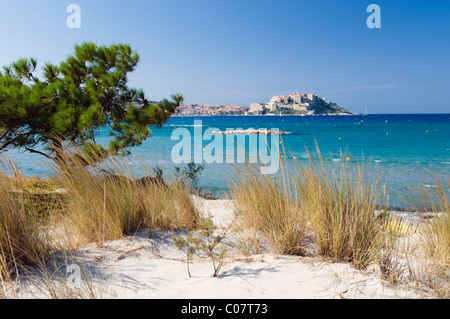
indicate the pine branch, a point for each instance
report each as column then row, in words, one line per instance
column 40, row 153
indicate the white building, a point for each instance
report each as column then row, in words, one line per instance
column 312, row 97
column 272, row 106
column 257, row 108
column 276, row 99
column 300, row 107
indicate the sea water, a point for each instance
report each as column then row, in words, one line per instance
column 401, row 150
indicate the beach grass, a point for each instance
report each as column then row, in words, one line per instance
column 266, row 204
column 435, row 201
column 310, row 205
column 434, row 235
column 106, row 201
column 340, row 207
column 23, row 238
column 82, row 204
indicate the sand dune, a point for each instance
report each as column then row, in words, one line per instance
column 150, row 266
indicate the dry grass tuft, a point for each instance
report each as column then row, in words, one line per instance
column 22, row 239
column 435, row 235
column 341, row 211
column 337, row 210
column 105, row 201
column 268, row 205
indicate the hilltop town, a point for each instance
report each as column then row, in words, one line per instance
column 298, row 104
column 293, row 104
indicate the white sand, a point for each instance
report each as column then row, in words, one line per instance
column 143, row 266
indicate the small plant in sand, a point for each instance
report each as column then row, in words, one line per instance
column 206, row 243
column 186, row 245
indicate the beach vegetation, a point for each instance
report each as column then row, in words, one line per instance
column 190, row 176
column 23, row 239
column 108, row 200
column 309, row 206
column 74, row 100
column 434, row 233
column 205, row 241
column 267, row 205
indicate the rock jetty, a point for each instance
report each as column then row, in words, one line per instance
column 251, row 132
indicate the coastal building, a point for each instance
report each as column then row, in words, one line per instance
column 209, row 110
column 272, row 106
column 300, row 107
column 276, row 99
column 312, row 97
column 301, row 103
column 257, row 108
column 296, row 97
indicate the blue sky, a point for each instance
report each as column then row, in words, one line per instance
column 244, row 51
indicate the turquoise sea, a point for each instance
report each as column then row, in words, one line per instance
column 405, row 149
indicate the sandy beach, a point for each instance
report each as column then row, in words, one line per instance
column 149, row 266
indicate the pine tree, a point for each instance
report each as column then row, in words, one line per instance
column 72, row 101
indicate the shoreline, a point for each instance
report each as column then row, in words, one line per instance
column 310, row 115
column 211, row 193
column 405, row 214
column 269, row 115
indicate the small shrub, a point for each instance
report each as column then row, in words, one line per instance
column 190, row 176
column 186, row 245
column 206, row 242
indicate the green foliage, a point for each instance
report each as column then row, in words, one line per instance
column 38, row 184
column 206, row 243
column 190, row 175
column 186, row 245
column 75, row 99
column 322, row 107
